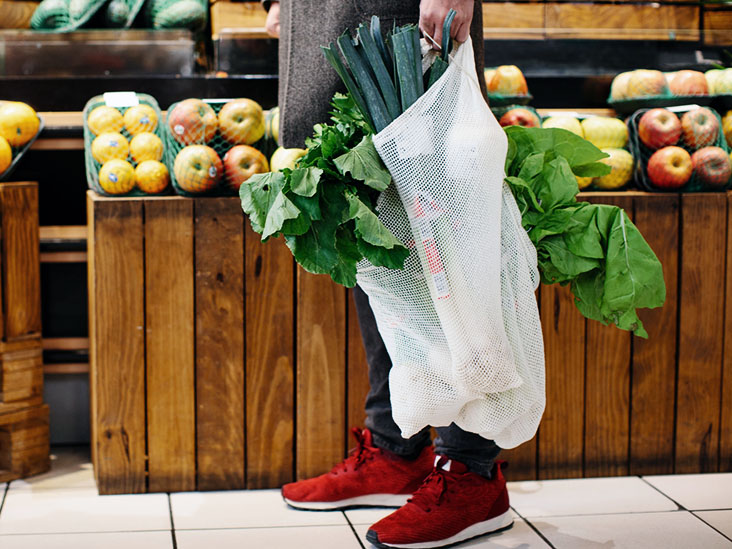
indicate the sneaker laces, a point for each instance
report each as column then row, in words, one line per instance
column 433, row 488
column 358, row 455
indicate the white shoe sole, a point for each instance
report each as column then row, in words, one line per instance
column 371, row 500
column 501, row 522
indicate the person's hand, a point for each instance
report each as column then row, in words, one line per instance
column 432, row 15
column 273, row 20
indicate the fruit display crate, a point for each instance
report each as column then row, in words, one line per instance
column 684, row 168
column 240, row 370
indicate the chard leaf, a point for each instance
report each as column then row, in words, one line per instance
column 368, row 225
column 555, row 222
column 596, row 169
column 634, row 276
column 258, row 194
column 582, row 236
column 308, row 205
column 364, row 164
column 315, row 250
column 281, row 211
column 564, row 260
column 510, row 154
column 588, row 292
column 304, row 181
column 557, row 184
column 531, row 166
column 344, row 271
column 393, row 258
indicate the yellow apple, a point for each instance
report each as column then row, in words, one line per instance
column 621, row 163
column 285, row 158
column 619, row 87
column 712, row 76
column 605, row 132
column 569, row 123
column 583, row 182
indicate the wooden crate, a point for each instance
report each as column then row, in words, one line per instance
column 21, row 370
column 216, row 363
column 24, row 449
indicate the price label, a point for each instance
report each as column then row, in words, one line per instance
column 121, row 99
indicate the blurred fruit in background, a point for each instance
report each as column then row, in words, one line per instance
column 146, row 146
column 727, row 127
column 520, row 116
column 140, row 118
column 621, row 163
column 241, row 122
column 285, row 158
column 646, row 83
column 659, row 128
column 712, row 166
column 105, row 119
column 152, row 176
column 583, row 182
column 192, row 121
column 669, row 168
column 688, row 83
column 619, row 86
column 108, row 146
column 6, row 154
column 508, row 80
column 117, row 177
column 19, row 123
column 569, row 123
column 197, row 168
column 272, row 124
column 699, row 127
column 241, row 162
column 605, row 132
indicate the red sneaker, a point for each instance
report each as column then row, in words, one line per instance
column 452, row 505
column 368, row 477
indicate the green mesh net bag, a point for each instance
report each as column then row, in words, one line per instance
column 215, row 145
column 177, row 14
column 64, row 15
column 124, row 145
column 680, row 149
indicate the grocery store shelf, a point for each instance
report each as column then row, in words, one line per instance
column 68, row 368
column 63, row 257
column 65, row 343
column 63, row 233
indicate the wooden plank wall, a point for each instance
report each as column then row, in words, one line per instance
column 269, row 372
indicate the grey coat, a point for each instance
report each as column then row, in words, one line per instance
column 307, row 82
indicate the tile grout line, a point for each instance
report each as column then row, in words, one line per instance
column 353, row 529
column 725, row 536
column 172, row 523
column 534, row 528
column 681, row 507
column 5, row 495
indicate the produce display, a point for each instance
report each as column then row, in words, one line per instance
column 644, row 88
column 215, row 145
column 326, row 208
column 506, row 85
column 124, row 147
column 517, row 115
column 608, row 134
column 19, row 127
column 681, row 149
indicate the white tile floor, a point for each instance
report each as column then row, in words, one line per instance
column 61, row 510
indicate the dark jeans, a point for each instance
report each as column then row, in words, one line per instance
column 477, row 453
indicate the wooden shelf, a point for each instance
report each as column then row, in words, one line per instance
column 64, row 369
column 65, row 343
column 64, row 233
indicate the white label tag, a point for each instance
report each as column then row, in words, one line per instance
column 682, row 108
column 121, row 99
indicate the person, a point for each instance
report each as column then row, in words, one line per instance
column 445, row 493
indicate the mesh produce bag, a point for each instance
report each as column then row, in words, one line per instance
column 122, row 13
column 199, row 129
column 64, row 15
column 129, row 129
column 680, row 149
column 18, row 150
column 460, row 321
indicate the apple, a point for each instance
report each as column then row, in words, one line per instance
column 583, row 182
column 712, row 75
column 647, row 83
column 699, row 127
column 241, row 162
column 712, row 166
column 621, row 163
column 285, row 158
column 689, row 83
column 727, row 127
column 569, row 123
column 605, row 132
column 241, row 122
column 659, row 128
column 669, row 168
column 488, row 75
column 192, row 121
column 520, row 116
column 619, row 87
column 197, row 168
column 724, row 82
column 508, row 80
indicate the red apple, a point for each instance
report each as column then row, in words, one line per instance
column 712, row 166
column 192, row 121
column 700, row 127
column 659, row 128
column 646, row 83
column 242, row 162
column 197, row 168
column 241, row 121
column 689, row 83
column 508, row 80
column 669, row 168
column 520, row 116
